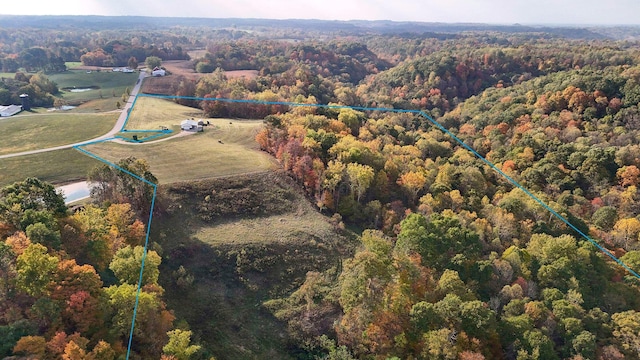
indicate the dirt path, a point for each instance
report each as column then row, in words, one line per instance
column 180, row 134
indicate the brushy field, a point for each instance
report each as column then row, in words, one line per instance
column 56, row 167
column 238, row 239
column 111, row 85
column 40, row 131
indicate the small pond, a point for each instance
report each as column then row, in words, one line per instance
column 74, row 192
column 63, row 108
column 75, row 89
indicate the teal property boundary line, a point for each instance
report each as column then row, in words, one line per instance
column 292, row 104
column 146, row 240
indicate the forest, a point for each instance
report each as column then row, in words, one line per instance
column 452, row 262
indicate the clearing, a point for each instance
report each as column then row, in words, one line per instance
column 226, row 147
column 199, row 156
column 31, row 132
column 234, row 236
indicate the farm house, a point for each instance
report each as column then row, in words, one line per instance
column 9, row 110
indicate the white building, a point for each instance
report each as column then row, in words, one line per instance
column 191, row 125
column 10, row 110
column 158, row 72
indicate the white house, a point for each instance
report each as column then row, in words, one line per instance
column 10, row 110
column 158, row 72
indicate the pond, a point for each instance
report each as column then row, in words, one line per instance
column 74, row 192
column 80, row 89
column 63, row 108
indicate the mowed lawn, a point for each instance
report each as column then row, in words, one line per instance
column 227, row 147
column 40, row 131
column 61, row 166
column 152, row 113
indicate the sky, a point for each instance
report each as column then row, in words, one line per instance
column 582, row 12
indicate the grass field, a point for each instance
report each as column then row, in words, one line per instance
column 109, row 83
column 223, row 149
column 151, row 114
column 31, row 132
column 57, row 167
column 73, row 64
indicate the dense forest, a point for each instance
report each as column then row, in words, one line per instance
column 454, row 262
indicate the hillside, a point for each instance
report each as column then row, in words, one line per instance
column 242, row 240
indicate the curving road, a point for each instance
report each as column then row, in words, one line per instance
column 116, row 128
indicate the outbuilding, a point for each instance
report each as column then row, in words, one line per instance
column 191, row 125
column 9, row 110
column 158, row 72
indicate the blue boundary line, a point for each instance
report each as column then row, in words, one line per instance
column 443, row 129
column 146, row 240
column 418, row 112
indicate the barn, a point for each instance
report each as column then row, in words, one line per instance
column 9, row 110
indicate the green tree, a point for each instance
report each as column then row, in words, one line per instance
column 7, row 268
column 605, row 217
column 438, row 345
column 178, row 345
column 153, row 62
column 152, row 320
column 626, row 329
column 438, row 239
column 31, row 194
column 35, row 270
column 126, row 265
column 585, row 345
column 41, row 234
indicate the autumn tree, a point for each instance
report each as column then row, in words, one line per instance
column 626, row 231
column 116, row 186
column 360, row 178
column 413, row 183
column 133, row 63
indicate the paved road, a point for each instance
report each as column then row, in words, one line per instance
column 116, row 128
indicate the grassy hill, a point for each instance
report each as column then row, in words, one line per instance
column 244, row 240
column 227, row 147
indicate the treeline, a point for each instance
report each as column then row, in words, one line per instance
column 118, row 53
column 68, row 281
column 349, row 61
column 40, row 89
column 35, row 50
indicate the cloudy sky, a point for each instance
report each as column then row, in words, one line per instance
column 477, row 11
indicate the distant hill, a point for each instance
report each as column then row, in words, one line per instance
column 357, row 27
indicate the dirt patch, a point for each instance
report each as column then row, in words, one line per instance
column 182, row 68
column 164, row 85
column 185, row 68
column 249, row 74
